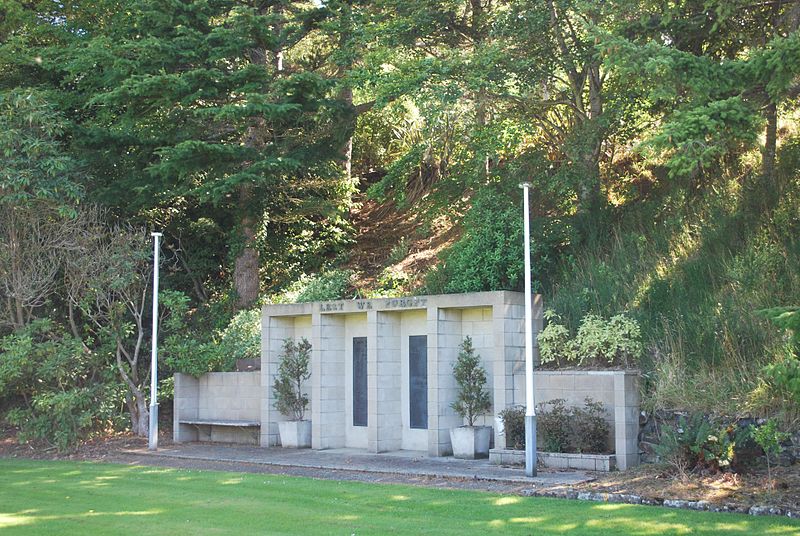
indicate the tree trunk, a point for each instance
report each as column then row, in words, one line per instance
column 245, row 271
column 140, row 414
column 481, row 104
column 346, row 95
column 771, row 135
column 765, row 192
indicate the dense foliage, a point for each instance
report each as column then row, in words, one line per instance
column 660, row 138
column 565, row 428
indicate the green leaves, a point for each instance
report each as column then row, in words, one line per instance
column 36, row 165
column 292, row 372
column 598, row 342
column 472, row 399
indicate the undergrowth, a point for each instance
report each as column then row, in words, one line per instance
column 693, row 276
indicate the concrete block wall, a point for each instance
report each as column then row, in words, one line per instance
column 444, row 338
column 508, row 330
column 225, row 396
column 275, row 330
column 477, row 323
column 492, row 319
column 626, row 419
column 327, row 381
column 617, row 391
column 384, row 382
column 185, row 407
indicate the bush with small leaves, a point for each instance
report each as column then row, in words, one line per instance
column 292, row 372
column 472, row 398
column 769, row 438
column 590, row 430
column 325, row 286
column 553, row 423
column 514, row 425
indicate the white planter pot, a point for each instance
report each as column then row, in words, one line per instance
column 470, row 442
column 295, row 434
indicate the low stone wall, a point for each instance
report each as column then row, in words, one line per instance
column 217, row 396
column 558, row 460
column 616, row 390
column 653, row 426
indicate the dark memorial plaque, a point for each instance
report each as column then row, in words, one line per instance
column 359, row 381
column 418, row 381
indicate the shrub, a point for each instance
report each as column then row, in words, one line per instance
column 787, row 318
column 472, row 399
column 489, row 254
column 61, row 389
column 325, row 286
column 391, row 283
column 783, row 379
column 399, row 251
column 613, row 342
column 60, row 418
column 565, row 429
column 590, row 429
column 555, row 344
column 292, row 372
column 241, row 338
column 514, row 425
column 616, row 341
column 769, row 438
column 699, row 444
column 185, row 351
column 554, row 425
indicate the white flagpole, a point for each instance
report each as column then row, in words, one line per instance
column 530, row 408
column 152, row 443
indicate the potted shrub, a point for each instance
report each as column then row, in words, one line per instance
column 470, row 441
column 289, row 397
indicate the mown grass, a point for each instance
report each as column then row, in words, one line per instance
column 95, row 499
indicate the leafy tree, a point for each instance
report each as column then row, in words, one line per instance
column 108, row 275
column 719, row 72
column 58, row 391
column 36, row 166
column 219, row 116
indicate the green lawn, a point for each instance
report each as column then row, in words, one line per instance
column 94, row 499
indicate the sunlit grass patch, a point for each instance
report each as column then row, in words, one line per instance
column 138, row 500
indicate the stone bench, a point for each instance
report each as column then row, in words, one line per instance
column 225, row 423
column 221, row 422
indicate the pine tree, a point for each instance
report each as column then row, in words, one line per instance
column 207, row 109
column 473, row 398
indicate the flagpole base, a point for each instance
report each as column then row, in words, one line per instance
column 152, row 443
column 530, row 445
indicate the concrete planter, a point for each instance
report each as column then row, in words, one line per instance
column 470, row 442
column 295, row 434
column 560, row 460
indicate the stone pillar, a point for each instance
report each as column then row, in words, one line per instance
column 327, row 381
column 444, row 339
column 185, row 407
column 506, row 332
column 626, row 419
column 384, row 382
column 274, row 330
